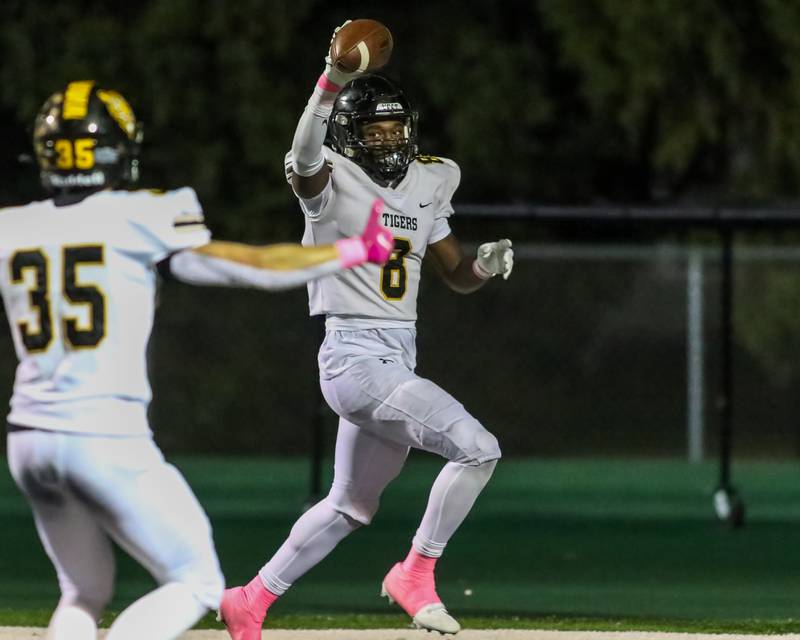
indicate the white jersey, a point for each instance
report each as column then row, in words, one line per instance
column 416, row 211
column 78, row 283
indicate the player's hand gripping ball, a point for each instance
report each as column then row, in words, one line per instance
column 361, row 45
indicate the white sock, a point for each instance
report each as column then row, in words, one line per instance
column 71, row 623
column 315, row 534
column 453, row 493
column 163, row 614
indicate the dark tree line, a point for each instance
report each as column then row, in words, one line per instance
column 549, row 101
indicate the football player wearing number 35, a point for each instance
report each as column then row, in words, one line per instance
column 368, row 357
column 78, row 275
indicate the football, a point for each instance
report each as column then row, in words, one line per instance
column 361, row 45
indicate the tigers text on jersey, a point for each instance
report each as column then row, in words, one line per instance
column 416, row 211
column 78, row 283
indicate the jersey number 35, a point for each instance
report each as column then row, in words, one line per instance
column 76, row 334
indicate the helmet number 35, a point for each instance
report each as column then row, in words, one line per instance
column 394, row 277
column 75, row 154
column 77, row 334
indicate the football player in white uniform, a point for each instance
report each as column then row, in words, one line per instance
column 78, row 280
column 368, row 357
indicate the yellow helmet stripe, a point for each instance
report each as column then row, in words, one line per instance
column 76, row 99
column 120, row 110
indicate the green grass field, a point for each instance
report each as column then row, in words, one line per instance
column 554, row 544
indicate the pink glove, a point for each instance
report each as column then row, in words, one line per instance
column 377, row 238
column 375, row 244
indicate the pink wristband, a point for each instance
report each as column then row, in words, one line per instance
column 479, row 271
column 325, row 84
column 352, row 252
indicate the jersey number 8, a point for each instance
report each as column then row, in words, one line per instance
column 393, row 275
column 77, row 293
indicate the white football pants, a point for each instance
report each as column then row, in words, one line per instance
column 85, row 490
column 367, row 377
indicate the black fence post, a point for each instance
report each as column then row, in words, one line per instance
column 727, row 503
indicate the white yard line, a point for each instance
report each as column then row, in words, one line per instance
column 32, row 633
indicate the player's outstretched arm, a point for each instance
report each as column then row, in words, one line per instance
column 309, row 171
column 282, row 266
column 466, row 274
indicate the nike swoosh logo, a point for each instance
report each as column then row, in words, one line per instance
column 422, row 206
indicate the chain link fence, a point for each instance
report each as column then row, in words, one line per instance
column 584, row 351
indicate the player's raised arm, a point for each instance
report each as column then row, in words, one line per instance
column 310, row 173
column 281, row 266
column 465, row 274
column 355, row 47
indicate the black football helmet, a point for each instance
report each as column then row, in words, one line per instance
column 86, row 139
column 370, row 98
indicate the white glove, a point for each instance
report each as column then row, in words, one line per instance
column 334, row 74
column 494, row 258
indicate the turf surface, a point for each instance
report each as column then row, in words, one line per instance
column 555, row 544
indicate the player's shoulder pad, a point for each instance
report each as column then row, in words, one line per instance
column 424, row 158
column 185, row 196
column 7, row 212
column 7, row 216
column 28, row 206
column 444, row 168
column 438, row 164
column 147, row 204
column 20, row 221
column 14, row 212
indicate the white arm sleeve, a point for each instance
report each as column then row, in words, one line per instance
column 200, row 269
column 307, row 157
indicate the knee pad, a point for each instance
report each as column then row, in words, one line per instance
column 488, row 446
column 470, row 444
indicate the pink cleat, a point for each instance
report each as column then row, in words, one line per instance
column 239, row 614
column 377, row 239
column 416, row 594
